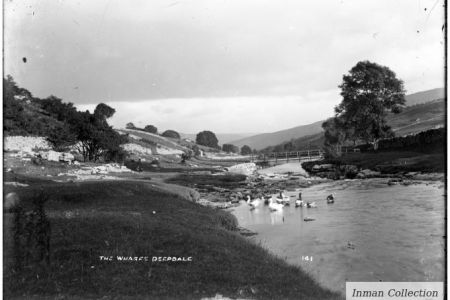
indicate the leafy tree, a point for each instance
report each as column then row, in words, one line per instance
column 96, row 138
column 369, row 91
column 335, row 136
column 207, row 138
column 61, row 138
column 246, row 150
column 171, row 134
column 130, row 126
column 58, row 109
column 230, row 148
column 103, row 112
column 12, row 110
column 151, row 129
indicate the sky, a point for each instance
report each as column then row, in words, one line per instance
column 229, row 66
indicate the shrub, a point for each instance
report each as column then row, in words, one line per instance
column 151, row 129
column 171, row 134
column 230, row 148
column 246, row 150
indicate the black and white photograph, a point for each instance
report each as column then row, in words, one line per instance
column 224, row 149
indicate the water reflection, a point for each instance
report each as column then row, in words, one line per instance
column 395, row 233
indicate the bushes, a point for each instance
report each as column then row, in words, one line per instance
column 151, row 129
column 230, row 148
column 171, row 134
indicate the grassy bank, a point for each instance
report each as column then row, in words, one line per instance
column 389, row 162
column 94, row 219
column 200, row 181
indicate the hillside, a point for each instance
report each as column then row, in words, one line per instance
column 425, row 96
column 411, row 120
column 433, row 117
column 223, row 138
column 418, row 118
column 263, row 140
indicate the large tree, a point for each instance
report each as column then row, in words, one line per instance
column 207, row 138
column 96, row 138
column 369, row 92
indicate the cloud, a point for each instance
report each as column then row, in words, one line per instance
column 224, row 115
column 145, row 52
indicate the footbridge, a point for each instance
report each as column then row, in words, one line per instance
column 285, row 157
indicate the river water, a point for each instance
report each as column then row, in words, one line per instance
column 373, row 232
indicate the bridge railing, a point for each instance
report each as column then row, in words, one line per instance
column 290, row 155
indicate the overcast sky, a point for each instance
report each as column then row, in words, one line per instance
column 226, row 66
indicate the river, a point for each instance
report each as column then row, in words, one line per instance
column 373, row 232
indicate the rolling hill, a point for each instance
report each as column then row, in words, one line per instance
column 425, row 96
column 223, row 138
column 263, row 140
column 413, row 119
column 425, row 110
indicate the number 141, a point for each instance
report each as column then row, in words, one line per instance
column 307, row 258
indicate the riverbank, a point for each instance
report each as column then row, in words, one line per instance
column 398, row 164
column 108, row 219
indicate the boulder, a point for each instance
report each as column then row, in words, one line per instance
column 366, row 173
column 53, row 156
column 66, row 157
column 316, row 168
column 245, row 169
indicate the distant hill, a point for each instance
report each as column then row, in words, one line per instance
column 224, row 138
column 263, row 140
column 425, row 96
column 424, row 110
column 413, row 119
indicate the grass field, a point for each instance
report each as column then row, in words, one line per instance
column 94, row 219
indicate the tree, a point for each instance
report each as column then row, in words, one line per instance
column 246, row 150
column 207, row 138
column 151, row 129
column 335, row 136
column 369, row 91
column 130, row 126
column 171, row 134
column 230, row 148
column 61, row 138
column 103, row 112
column 96, row 138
